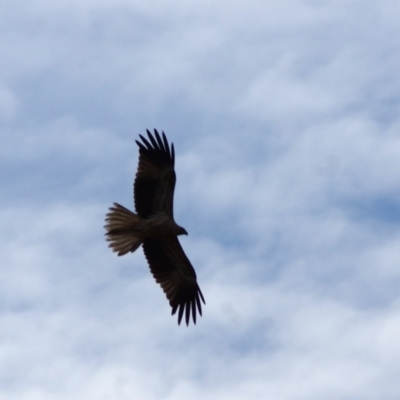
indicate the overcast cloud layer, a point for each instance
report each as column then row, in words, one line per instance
column 286, row 122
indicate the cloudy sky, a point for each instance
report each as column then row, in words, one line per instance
column 286, row 122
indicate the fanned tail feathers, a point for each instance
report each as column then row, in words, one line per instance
column 123, row 230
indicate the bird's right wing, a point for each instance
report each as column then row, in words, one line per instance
column 155, row 178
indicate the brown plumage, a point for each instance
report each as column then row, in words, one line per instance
column 154, row 227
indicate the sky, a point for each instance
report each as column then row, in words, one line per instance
column 285, row 117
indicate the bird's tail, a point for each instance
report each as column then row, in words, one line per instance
column 123, row 230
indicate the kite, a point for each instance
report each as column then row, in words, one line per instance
column 153, row 226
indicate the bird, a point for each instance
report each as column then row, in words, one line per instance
column 153, row 227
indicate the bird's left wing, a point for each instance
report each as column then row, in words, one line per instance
column 175, row 274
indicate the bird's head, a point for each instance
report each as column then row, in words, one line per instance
column 181, row 231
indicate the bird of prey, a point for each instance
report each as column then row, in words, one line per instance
column 153, row 226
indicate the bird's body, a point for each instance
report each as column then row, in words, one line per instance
column 161, row 227
column 154, row 227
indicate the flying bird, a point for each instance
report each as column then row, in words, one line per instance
column 153, row 226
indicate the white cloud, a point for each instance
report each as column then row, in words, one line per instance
column 8, row 104
column 285, row 123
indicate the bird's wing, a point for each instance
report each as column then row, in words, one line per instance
column 155, row 178
column 175, row 274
